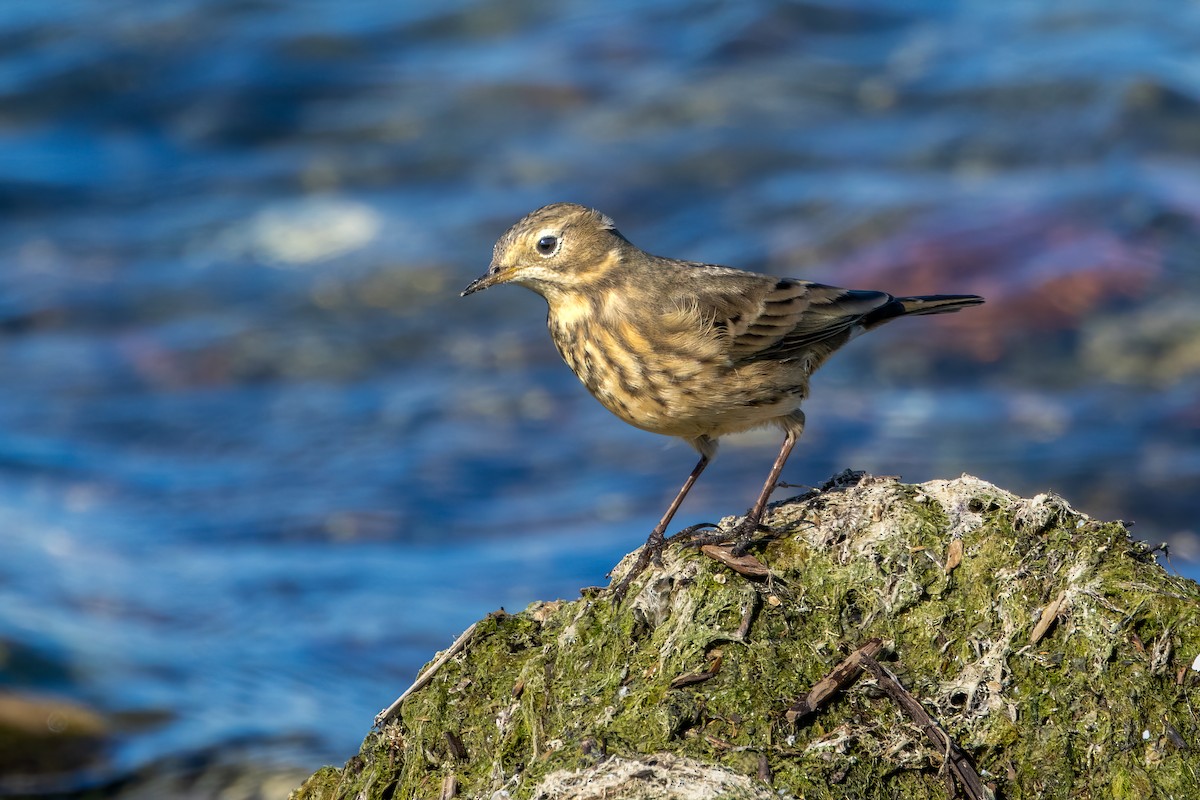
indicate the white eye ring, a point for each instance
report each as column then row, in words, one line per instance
column 548, row 244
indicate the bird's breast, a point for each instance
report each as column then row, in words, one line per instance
column 614, row 366
column 665, row 373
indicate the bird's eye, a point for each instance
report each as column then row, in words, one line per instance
column 547, row 245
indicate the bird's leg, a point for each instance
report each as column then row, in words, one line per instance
column 652, row 550
column 745, row 530
column 749, row 526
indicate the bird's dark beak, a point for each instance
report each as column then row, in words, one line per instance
column 489, row 278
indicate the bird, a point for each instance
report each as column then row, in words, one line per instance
column 686, row 349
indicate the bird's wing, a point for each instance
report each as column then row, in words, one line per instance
column 762, row 317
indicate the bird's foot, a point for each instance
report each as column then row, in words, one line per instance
column 651, row 553
column 688, row 535
column 643, row 561
column 741, row 535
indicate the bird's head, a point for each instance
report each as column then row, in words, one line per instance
column 553, row 250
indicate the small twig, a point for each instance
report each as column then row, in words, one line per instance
column 718, row 743
column 449, row 788
column 740, row 635
column 698, row 677
column 747, row 619
column 1049, row 616
column 836, row 681
column 425, row 677
column 958, row 760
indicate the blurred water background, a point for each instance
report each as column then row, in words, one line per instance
column 258, row 460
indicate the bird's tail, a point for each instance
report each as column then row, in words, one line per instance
column 926, row 304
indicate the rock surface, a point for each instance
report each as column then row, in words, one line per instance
column 1051, row 649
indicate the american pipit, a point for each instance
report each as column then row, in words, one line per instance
column 682, row 348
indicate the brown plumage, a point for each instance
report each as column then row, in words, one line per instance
column 682, row 348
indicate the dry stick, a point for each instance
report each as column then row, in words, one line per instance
column 958, row 760
column 426, row 676
column 1049, row 616
column 698, row 677
column 836, row 681
column 748, row 618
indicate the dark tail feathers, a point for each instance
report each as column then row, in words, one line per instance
column 926, row 304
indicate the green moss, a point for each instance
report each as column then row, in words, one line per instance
column 563, row 686
column 323, row 783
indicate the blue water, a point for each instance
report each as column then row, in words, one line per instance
column 258, row 460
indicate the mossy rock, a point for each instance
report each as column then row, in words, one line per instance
column 1050, row 647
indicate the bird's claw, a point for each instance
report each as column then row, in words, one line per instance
column 642, row 562
column 651, row 553
column 688, row 535
column 742, row 535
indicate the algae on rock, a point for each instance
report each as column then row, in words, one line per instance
column 1050, row 647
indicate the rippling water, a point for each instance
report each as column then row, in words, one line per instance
column 258, row 460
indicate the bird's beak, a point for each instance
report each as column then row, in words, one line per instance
column 489, row 278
